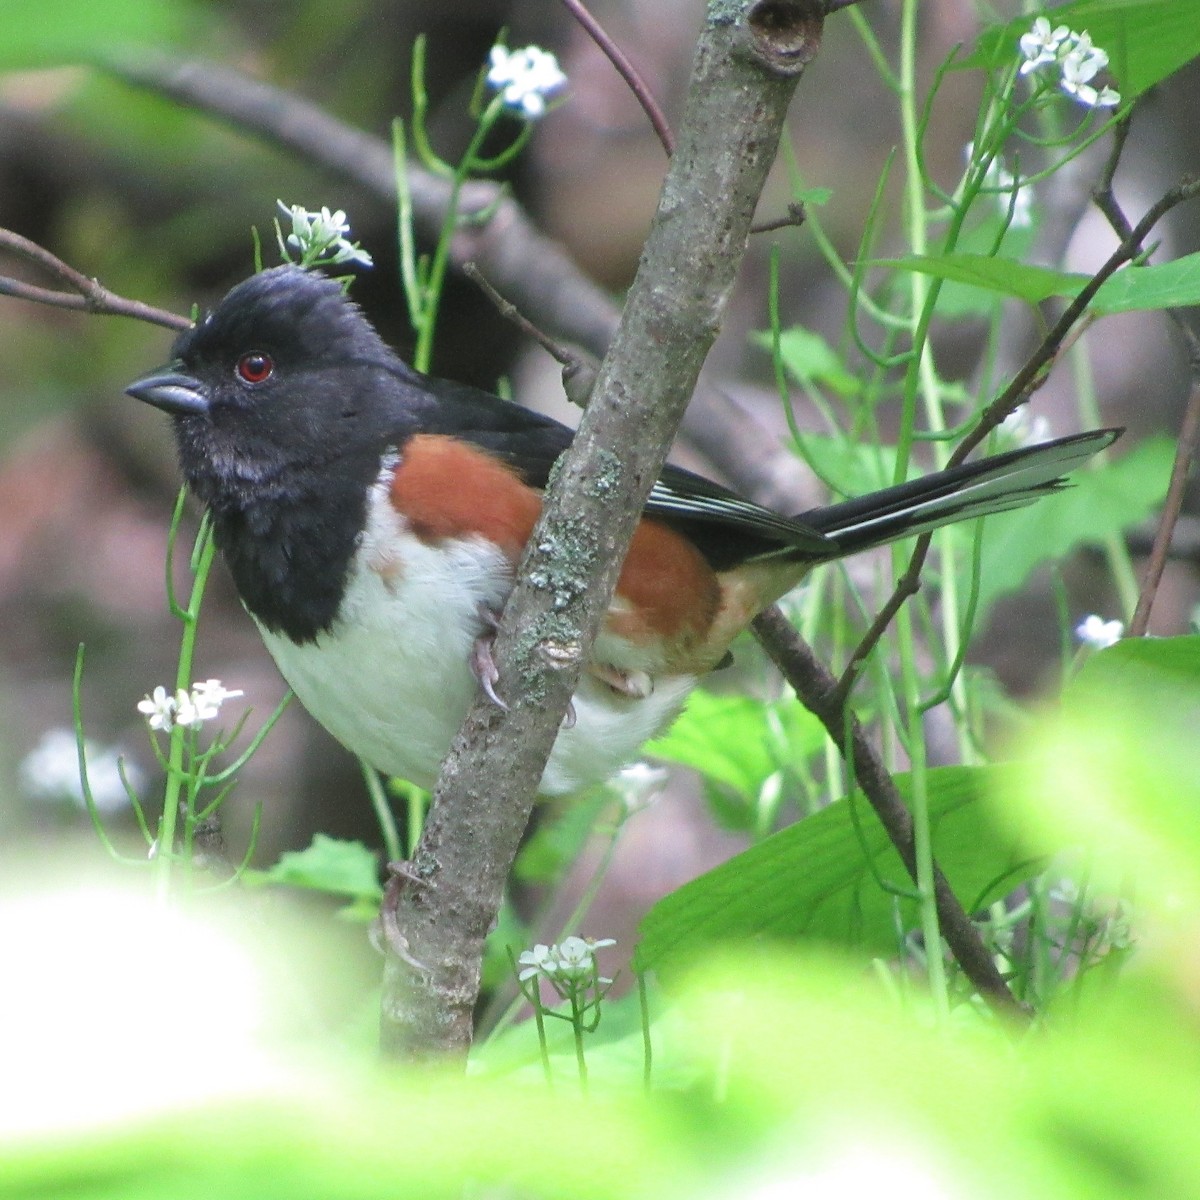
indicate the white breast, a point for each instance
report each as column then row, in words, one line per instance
column 392, row 680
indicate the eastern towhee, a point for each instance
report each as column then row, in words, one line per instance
column 372, row 518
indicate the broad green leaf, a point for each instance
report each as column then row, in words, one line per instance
column 329, row 865
column 739, row 741
column 1097, row 504
column 1022, row 280
column 814, row 880
column 852, row 467
column 1173, row 284
column 1146, row 40
column 810, row 360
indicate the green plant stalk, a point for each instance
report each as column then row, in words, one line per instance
column 202, row 559
column 383, row 812
column 404, row 221
column 644, row 1013
column 577, row 1030
column 431, row 301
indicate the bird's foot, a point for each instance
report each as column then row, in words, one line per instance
column 483, row 665
column 386, row 933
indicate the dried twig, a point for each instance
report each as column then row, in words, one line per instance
column 627, row 71
column 821, row 694
column 86, row 295
column 1026, row 380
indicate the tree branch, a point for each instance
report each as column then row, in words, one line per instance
column 626, row 70
column 86, row 294
column 820, row 693
column 1026, row 380
column 748, row 61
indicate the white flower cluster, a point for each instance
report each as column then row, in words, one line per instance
column 50, row 771
column 1076, row 59
column 188, row 709
column 571, row 961
column 525, row 79
column 321, row 238
column 1098, row 633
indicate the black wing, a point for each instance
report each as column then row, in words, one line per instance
column 726, row 528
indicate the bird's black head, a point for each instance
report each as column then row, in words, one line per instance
column 284, row 375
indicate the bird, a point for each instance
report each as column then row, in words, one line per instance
column 373, row 517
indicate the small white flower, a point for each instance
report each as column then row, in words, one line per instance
column 1080, row 66
column 575, row 958
column 1098, row 633
column 1077, row 59
column 525, row 79
column 321, row 238
column 537, row 961
column 571, row 961
column 1041, row 44
column 640, row 784
column 50, row 771
column 1025, row 429
column 189, row 709
column 208, row 696
column 159, row 709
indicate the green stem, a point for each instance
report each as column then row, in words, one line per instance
column 202, row 559
column 383, row 812
column 423, row 352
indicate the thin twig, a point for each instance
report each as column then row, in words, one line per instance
column 578, row 371
column 821, row 694
column 86, row 295
column 796, row 215
column 1189, row 435
column 1026, row 380
column 1185, row 455
column 627, row 71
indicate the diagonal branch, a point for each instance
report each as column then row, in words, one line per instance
column 1026, row 380
column 820, row 693
column 748, row 61
column 627, row 71
column 85, row 295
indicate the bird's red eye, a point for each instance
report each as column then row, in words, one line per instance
column 255, row 367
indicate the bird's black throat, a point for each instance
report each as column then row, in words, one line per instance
column 289, row 542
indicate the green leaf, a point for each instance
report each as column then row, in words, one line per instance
column 1098, row 504
column 1146, row 40
column 1174, row 284
column 810, row 360
column 852, row 467
column 814, row 880
column 1022, row 280
column 739, row 741
column 328, row 865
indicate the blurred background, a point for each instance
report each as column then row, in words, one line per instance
column 156, row 199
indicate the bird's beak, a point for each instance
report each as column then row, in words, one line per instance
column 172, row 391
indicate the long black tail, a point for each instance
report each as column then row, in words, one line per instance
column 976, row 489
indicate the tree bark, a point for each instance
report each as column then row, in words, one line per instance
column 748, row 61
